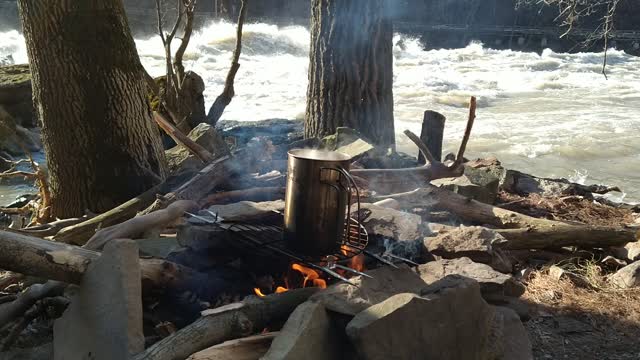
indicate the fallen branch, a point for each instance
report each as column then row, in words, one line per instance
column 253, row 194
column 50, row 229
column 252, row 347
column 196, row 149
column 521, row 231
column 385, row 180
column 221, row 102
column 140, row 224
column 80, row 233
column 67, row 263
column 226, row 323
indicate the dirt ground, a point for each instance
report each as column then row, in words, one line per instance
column 592, row 321
column 567, row 208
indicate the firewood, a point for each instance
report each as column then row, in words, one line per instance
column 253, row 194
column 226, row 323
column 195, row 188
column 137, row 225
column 57, row 261
column 521, row 231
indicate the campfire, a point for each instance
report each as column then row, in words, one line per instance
column 313, row 252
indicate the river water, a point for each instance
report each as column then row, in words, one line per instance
column 550, row 114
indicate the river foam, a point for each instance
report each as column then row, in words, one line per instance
column 549, row 114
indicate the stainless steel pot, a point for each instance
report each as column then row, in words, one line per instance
column 317, row 201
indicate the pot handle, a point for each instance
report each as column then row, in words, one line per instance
column 350, row 182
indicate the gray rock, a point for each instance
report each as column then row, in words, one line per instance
column 513, row 338
column 104, row 319
column 202, row 236
column 307, row 334
column 633, row 251
column 278, row 131
column 475, row 242
column 15, row 93
column 158, row 246
column 463, row 185
column 180, row 159
column 348, row 141
column 246, row 210
column 13, row 136
column 451, row 323
column 350, row 300
column 487, row 177
column 494, row 285
column 389, row 223
column 557, row 273
column 627, row 277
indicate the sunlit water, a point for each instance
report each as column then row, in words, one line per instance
column 551, row 115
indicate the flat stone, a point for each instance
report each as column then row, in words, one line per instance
column 389, row 223
column 348, row 141
column 515, row 339
column 494, row 285
column 387, row 281
column 453, row 322
column 307, row 334
column 158, row 246
column 463, row 185
column 104, row 319
column 246, row 210
column 475, row 242
column 249, row 348
column 15, row 84
column 627, row 277
column 180, row 159
column 557, row 273
column 202, row 236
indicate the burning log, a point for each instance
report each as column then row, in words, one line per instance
column 226, row 323
column 521, row 231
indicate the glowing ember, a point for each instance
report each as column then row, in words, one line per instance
column 310, row 275
column 281, row 289
column 258, row 292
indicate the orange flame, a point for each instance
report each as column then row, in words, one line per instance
column 281, row 289
column 310, row 275
column 258, row 292
column 356, row 262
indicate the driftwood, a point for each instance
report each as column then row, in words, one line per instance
column 226, row 323
column 253, row 194
column 249, row 348
column 56, row 261
column 195, row 188
column 431, row 134
column 25, row 300
column 80, row 233
column 521, row 231
column 180, row 138
column 51, row 228
column 224, row 99
column 384, row 180
column 141, row 224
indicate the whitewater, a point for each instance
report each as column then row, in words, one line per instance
column 549, row 114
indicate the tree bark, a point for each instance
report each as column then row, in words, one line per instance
column 351, row 70
column 101, row 144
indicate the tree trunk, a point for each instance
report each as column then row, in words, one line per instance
column 351, row 69
column 101, row 144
